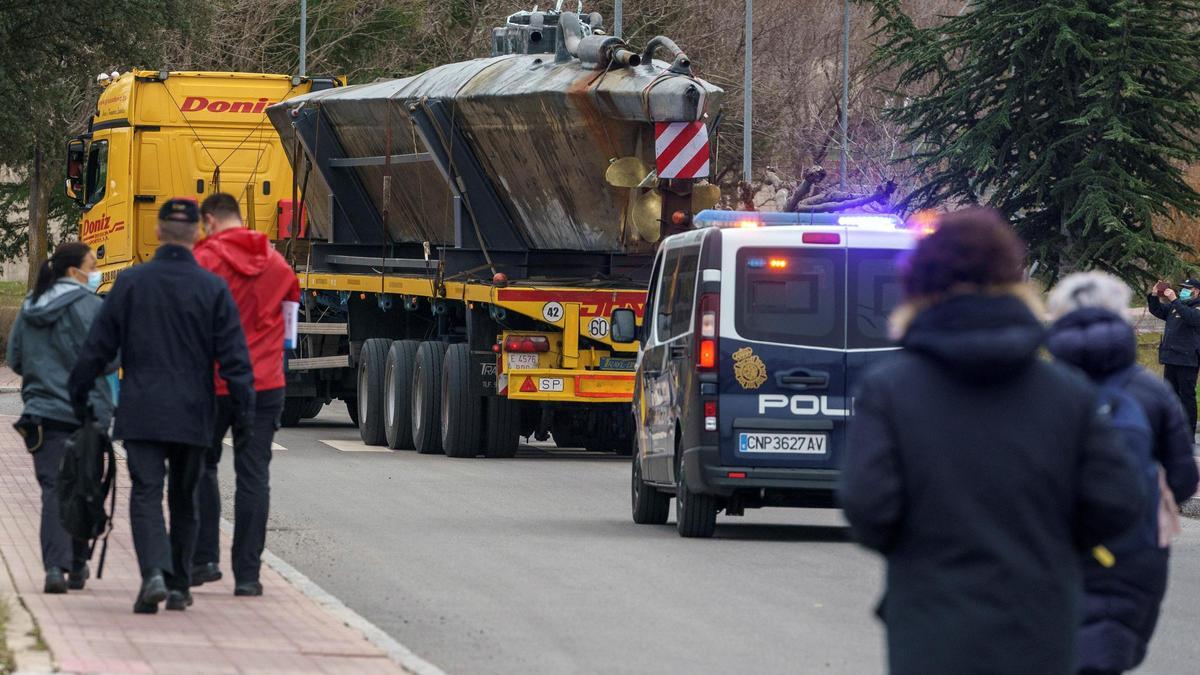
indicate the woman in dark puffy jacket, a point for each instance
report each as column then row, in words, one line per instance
column 980, row 470
column 1121, row 602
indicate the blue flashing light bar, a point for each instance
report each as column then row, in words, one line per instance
column 714, row 218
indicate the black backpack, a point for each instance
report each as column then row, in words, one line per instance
column 87, row 477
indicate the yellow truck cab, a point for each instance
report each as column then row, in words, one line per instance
column 159, row 134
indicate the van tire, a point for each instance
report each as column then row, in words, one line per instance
column 427, row 398
column 461, row 412
column 695, row 514
column 650, row 507
column 371, row 362
column 397, row 398
column 503, row 429
column 352, row 410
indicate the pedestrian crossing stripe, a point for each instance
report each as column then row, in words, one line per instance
column 275, row 447
column 355, row 446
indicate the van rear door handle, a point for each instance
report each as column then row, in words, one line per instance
column 803, row 379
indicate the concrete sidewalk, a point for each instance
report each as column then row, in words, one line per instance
column 95, row 631
column 10, row 382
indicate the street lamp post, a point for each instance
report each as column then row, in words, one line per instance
column 303, row 36
column 617, row 16
column 845, row 121
column 748, row 94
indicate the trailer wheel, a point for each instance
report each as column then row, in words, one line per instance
column 397, row 395
column 427, row 397
column 292, row 413
column 503, row 431
column 371, row 362
column 312, row 408
column 462, row 412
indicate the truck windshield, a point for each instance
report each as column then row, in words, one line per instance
column 874, row 292
column 97, row 172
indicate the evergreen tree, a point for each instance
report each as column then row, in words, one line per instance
column 50, row 54
column 1074, row 118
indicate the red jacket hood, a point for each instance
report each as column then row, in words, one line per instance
column 246, row 251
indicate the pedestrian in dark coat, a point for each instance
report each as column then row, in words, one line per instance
column 170, row 320
column 46, row 338
column 1121, row 602
column 979, row 470
column 1179, row 348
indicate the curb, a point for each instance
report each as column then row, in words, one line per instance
column 401, row 655
column 398, row 653
column 21, row 631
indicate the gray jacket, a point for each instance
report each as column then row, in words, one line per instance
column 45, row 343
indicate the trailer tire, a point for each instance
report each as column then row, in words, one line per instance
column 397, row 394
column 462, row 412
column 503, row 431
column 427, row 398
column 312, row 407
column 292, row 413
column 371, row 362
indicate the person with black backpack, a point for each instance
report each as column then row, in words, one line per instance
column 1126, row 578
column 43, row 347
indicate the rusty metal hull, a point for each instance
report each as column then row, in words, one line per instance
column 544, row 132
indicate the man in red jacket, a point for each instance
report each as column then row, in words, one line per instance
column 266, row 291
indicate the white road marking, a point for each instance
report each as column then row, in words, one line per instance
column 275, row 447
column 356, row 446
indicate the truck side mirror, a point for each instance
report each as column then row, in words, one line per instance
column 76, row 152
column 624, row 326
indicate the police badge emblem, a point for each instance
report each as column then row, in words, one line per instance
column 749, row 370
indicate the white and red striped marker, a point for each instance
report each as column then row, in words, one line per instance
column 681, row 149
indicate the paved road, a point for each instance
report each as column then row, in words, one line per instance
column 531, row 565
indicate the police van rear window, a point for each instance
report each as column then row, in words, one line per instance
column 874, row 292
column 791, row 296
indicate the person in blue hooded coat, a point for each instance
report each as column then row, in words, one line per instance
column 978, row 469
column 43, row 347
column 1121, row 603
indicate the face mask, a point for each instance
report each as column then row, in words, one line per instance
column 94, row 280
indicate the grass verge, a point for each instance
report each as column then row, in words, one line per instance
column 12, row 293
column 7, row 665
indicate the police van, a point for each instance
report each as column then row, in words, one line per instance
column 756, row 327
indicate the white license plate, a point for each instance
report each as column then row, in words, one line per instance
column 789, row 444
column 522, row 361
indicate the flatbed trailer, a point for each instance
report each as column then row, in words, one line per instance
column 470, row 230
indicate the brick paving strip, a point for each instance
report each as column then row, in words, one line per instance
column 294, row 627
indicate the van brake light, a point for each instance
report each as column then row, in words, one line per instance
column 707, row 330
column 821, row 238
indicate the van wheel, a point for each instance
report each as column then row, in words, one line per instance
column 650, row 507
column 503, row 429
column 427, row 398
column 292, row 413
column 371, row 362
column 352, row 410
column 462, row 412
column 397, row 396
column 695, row 514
